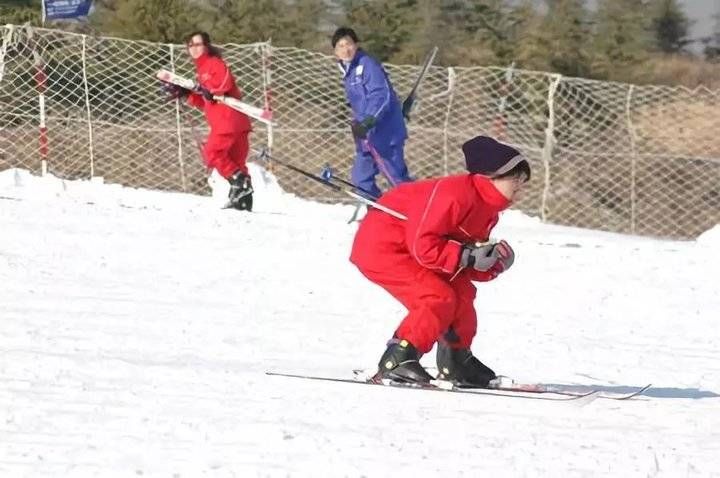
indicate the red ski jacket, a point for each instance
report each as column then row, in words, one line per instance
column 214, row 74
column 442, row 214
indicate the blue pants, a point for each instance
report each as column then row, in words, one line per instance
column 391, row 164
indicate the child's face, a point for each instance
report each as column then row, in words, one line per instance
column 512, row 188
column 345, row 49
column 196, row 47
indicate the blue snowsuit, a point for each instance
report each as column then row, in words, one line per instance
column 370, row 93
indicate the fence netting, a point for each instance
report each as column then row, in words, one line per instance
column 610, row 156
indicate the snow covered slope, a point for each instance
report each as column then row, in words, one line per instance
column 136, row 328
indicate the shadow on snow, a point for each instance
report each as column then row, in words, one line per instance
column 655, row 392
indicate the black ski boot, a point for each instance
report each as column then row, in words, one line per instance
column 461, row 367
column 401, row 362
column 241, row 191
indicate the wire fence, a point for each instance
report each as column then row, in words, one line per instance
column 611, row 156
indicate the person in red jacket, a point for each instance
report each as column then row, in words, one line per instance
column 227, row 145
column 429, row 261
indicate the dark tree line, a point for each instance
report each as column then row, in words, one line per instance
column 623, row 40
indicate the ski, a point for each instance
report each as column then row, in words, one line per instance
column 438, row 386
column 504, row 383
column 260, row 114
column 626, row 396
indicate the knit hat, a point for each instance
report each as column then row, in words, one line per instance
column 486, row 156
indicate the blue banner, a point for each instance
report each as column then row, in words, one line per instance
column 57, row 9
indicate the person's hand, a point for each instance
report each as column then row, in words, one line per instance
column 204, row 92
column 361, row 128
column 488, row 257
column 173, row 92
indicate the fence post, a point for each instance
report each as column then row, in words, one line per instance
column 87, row 106
column 500, row 125
column 549, row 143
column 40, row 77
column 451, row 91
column 178, row 127
column 633, row 160
column 266, row 55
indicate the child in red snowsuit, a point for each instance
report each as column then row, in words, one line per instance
column 429, row 261
column 227, row 146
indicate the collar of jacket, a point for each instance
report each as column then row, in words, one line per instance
column 346, row 68
column 489, row 193
column 202, row 59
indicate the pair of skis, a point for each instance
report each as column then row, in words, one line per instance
column 501, row 388
column 263, row 115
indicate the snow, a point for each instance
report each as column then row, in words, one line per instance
column 136, row 328
column 710, row 238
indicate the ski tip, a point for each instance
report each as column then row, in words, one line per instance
column 637, row 393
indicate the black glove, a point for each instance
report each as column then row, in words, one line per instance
column 361, row 128
column 173, row 92
column 489, row 257
column 204, row 92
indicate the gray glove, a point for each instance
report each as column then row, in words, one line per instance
column 494, row 257
column 204, row 92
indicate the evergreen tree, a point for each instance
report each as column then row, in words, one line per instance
column 558, row 41
column 246, row 21
column 167, row 21
column 18, row 12
column 485, row 31
column 385, row 27
column 712, row 44
column 622, row 40
column 670, row 25
column 304, row 24
column 426, row 30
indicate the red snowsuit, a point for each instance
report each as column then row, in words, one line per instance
column 227, row 145
column 417, row 260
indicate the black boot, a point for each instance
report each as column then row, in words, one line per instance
column 401, row 362
column 460, row 366
column 241, row 190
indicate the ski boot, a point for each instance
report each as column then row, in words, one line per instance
column 462, row 368
column 401, row 363
column 241, row 191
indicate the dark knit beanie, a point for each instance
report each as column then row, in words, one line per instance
column 486, row 156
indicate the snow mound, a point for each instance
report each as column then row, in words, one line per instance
column 711, row 237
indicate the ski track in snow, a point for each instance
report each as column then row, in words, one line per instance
column 136, row 327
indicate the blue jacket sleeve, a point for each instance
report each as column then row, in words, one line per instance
column 377, row 88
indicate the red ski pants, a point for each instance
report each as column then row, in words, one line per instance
column 227, row 152
column 434, row 303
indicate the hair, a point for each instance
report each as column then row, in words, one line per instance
column 521, row 169
column 343, row 32
column 212, row 50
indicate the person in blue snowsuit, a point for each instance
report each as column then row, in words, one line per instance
column 377, row 125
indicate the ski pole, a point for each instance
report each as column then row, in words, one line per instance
column 264, row 156
column 380, row 162
column 410, row 100
column 328, row 175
